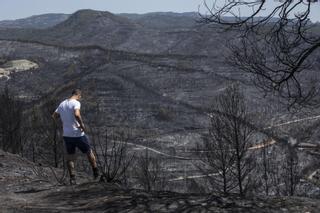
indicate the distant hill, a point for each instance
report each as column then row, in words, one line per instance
column 89, row 27
column 157, row 20
column 154, row 20
column 92, row 28
column 35, row 22
column 152, row 33
column 164, row 20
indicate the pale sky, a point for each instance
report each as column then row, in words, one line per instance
column 14, row 9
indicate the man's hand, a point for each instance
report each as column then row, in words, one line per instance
column 79, row 119
column 82, row 128
column 55, row 117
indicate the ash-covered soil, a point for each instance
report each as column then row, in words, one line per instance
column 27, row 187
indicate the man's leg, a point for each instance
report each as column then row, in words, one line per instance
column 71, row 168
column 85, row 147
column 92, row 159
column 70, row 158
column 70, row 165
column 93, row 162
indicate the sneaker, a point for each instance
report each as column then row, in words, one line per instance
column 73, row 180
column 95, row 173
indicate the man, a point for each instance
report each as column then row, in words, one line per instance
column 74, row 133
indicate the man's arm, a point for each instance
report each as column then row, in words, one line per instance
column 79, row 119
column 55, row 116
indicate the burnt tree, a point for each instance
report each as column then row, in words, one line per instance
column 11, row 118
column 278, row 49
column 226, row 148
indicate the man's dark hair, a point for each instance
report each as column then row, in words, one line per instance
column 76, row 92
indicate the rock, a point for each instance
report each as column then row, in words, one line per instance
column 19, row 65
column 173, row 206
column 4, row 73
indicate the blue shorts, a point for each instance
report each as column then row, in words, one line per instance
column 81, row 142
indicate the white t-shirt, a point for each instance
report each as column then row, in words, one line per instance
column 70, row 124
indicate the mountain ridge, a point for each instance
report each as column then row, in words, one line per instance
column 41, row 21
column 88, row 27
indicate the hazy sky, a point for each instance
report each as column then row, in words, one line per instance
column 13, row 9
